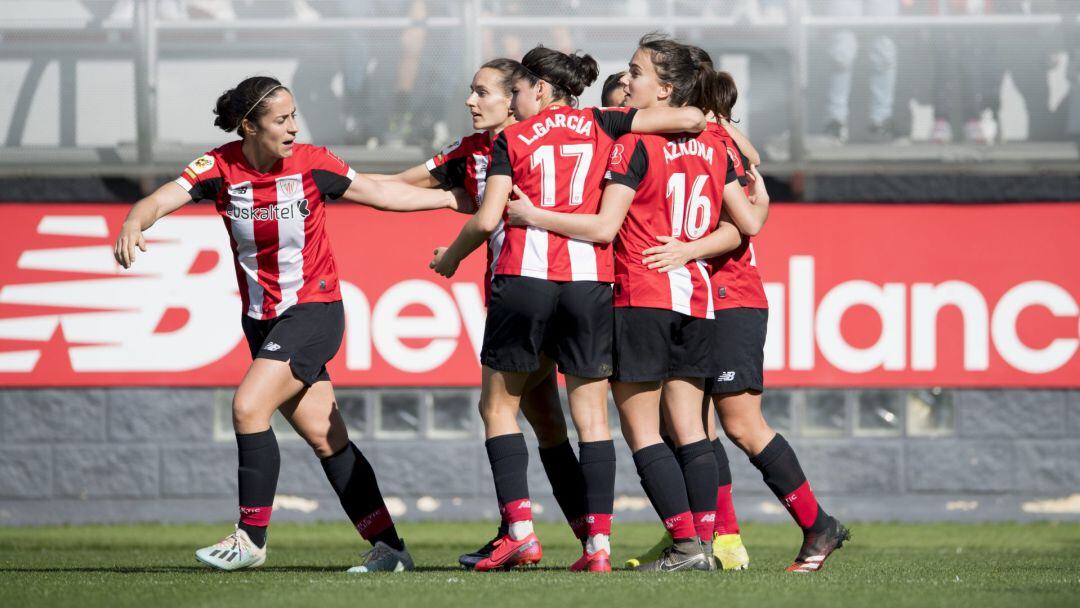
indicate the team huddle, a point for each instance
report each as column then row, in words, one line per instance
column 619, row 254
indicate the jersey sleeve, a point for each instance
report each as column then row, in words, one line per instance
column 332, row 175
column 449, row 165
column 629, row 162
column 615, row 122
column 500, row 158
column 202, row 179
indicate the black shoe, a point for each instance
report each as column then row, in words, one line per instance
column 681, row 555
column 816, row 547
column 469, row 560
column 836, row 130
column 883, row 132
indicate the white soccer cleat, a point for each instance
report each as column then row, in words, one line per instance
column 236, row 551
column 382, row 558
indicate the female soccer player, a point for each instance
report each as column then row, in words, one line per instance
column 464, row 164
column 551, row 294
column 270, row 192
column 742, row 315
column 664, row 185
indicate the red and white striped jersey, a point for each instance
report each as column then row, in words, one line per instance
column 735, row 278
column 276, row 222
column 679, row 181
column 464, row 164
column 558, row 158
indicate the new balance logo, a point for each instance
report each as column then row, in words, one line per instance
column 272, row 346
column 726, row 377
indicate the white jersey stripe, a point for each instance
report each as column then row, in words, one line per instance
column 582, row 260
column 290, row 253
column 495, row 241
column 709, row 312
column 242, row 198
column 682, row 289
column 184, row 183
column 534, row 261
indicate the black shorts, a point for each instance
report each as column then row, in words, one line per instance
column 306, row 335
column 570, row 322
column 739, row 351
column 656, row 344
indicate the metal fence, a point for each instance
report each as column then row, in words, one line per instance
column 126, row 87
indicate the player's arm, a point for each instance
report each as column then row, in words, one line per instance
column 477, row 229
column 391, row 195
column 686, row 119
column 673, row 253
column 143, row 215
column 418, row 176
column 743, row 142
column 597, row 228
column 748, row 216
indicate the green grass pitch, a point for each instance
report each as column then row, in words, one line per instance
column 152, row 566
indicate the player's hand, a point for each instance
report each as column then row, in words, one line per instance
column 757, row 186
column 463, row 202
column 131, row 236
column 672, row 255
column 442, row 264
column 520, row 209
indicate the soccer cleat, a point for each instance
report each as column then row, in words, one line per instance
column 469, row 560
column 594, row 562
column 234, row 552
column 508, row 553
column 729, row 552
column 383, row 558
column 817, row 547
column 681, row 555
column 706, row 548
column 651, row 555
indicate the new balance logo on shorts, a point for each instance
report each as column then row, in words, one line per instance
column 271, row 346
column 726, row 377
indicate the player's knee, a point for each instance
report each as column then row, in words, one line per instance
column 246, row 409
column 746, row 432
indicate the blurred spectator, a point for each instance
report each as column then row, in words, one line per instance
column 843, row 49
column 614, row 93
column 966, row 77
column 382, row 104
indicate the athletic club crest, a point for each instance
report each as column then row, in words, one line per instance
column 289, row 186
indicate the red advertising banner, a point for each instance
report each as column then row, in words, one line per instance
column 860, row 295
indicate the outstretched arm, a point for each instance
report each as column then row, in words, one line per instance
column 389, row 195
column 418, row 176
column 597, row 228
column 477, row 229
column 686, row 119
column 143, row 215
column 743, row 142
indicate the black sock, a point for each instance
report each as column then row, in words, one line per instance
column 670, row 443
column 699, row 470
column 353, row 479
column 698, row 464
column 660, row 473
column 723, row 465
column 257, row 475
column 567, row 482
column 509, row 466
column 598, row 468
column 781, row 471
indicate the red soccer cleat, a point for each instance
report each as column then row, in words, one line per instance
column 817, row 547
column 597, row 562
column 509, row 553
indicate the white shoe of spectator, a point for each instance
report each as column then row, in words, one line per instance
column 123, row 12
column 171, row 10
column 942, row 132
column 974, row 133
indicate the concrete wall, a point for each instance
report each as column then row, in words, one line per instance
column 119, row 455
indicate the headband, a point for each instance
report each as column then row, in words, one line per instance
column 254, row 105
